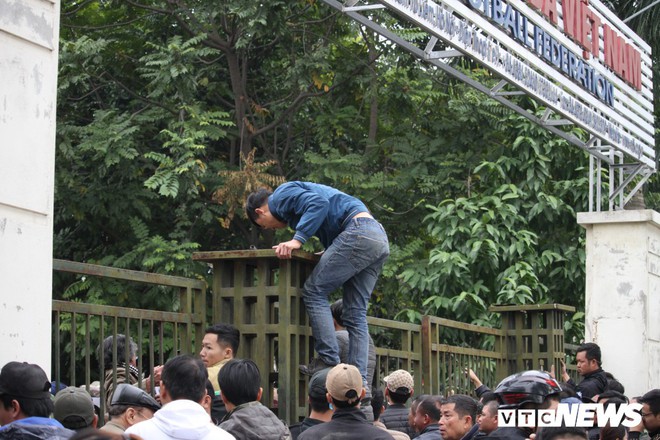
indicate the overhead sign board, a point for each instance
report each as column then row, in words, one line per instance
column 574, row 56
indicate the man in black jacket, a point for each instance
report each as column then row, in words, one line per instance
column 345, row 390
column 397, row 392
column 594, row 379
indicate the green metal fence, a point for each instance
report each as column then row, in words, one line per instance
column 261, row 295
column 79, row 329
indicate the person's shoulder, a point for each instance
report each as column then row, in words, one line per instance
column 398, row 435
column 218, row 433
column 141, row 428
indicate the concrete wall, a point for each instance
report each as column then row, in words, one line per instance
column 623, row 294
column 29, row 31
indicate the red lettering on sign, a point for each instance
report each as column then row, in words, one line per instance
column 610, row 38
column 635, row 65
column 537, row 4
column 594, row 22
column 574, row 20
column 550, row 10
column 622, row 58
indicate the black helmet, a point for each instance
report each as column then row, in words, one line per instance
column 527, row 387
column 131, row 395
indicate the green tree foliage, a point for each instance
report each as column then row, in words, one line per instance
column 159, row 100
column 514, row 239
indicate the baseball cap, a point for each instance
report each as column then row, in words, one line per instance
column 21, row 379
column 399, row 381
column 344, row 383
column 317, row 389
column 131, row 395
column 73, row 408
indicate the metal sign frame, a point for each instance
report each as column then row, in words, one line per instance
column 621, row 131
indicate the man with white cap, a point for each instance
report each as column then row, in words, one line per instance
column 345, row 390
column 400, row 387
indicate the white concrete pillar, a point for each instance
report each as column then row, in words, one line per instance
column 623, row 294
column 29, row 31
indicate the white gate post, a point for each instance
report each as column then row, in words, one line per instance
column 623, row 294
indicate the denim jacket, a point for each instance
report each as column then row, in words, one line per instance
column 314, row 209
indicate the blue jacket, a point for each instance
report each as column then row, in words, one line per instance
column 314, row 209
column 33, row 428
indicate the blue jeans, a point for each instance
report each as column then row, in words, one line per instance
column 353, row 260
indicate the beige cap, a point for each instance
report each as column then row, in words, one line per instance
column 344, row 383
column 400, row 381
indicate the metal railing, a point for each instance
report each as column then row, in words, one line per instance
column 437, row 352
column 80, row 328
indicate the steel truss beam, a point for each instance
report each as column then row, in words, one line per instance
column 621, row 175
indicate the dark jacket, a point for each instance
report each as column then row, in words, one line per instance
column 298, row 428
column 252, row 420
column 431, row 432
column 591, row 385
column 346, row 423
column 509, row 433
column 395, row 417
column 473, row 433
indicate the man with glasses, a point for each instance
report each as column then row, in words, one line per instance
column 650, row 416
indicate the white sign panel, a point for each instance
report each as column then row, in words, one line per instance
column 575, row 57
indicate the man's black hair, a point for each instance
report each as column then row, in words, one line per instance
column 239, row 380
column 561, row 432
column 377, row 403
column 616, row 402
column 209, row 388
column 612, row 432
column 337, row 309
column 256, row 200
column 611, row 394
column 615, row 385
column 184, row 377
column 417, row 400
column 30, row 407
column 429, row 407
column 397, row 397
column 107, row 352
column 345, row 404
column 652, row 399
column 463, row 406
column 227, row 334
column 492, row 404
column 592, row 351
column 488, row 396
column 318, row 404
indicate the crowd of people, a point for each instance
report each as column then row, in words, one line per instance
column 189, row 387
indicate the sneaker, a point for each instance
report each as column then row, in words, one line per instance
column 314, row 366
